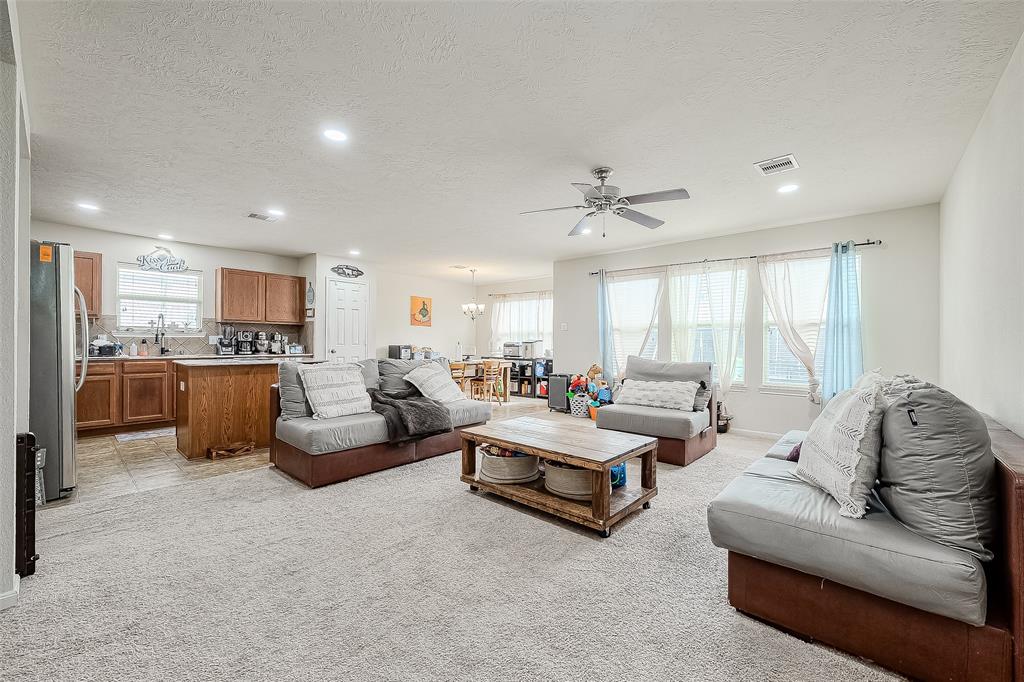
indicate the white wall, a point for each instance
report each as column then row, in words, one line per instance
column 124, row 248
column 9, row 267
column 981, row 246
column 449, row 326
column 483, row 325
column 899, row 289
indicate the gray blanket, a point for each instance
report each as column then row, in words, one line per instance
column 410, row 415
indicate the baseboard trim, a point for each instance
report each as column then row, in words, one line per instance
column 750, row 432
column 9, row 599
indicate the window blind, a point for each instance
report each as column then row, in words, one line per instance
column 142, row 295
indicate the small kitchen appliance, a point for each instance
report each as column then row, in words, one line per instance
column 244, row 342
column 226, row 344
column 262, row 342
column 277, row 342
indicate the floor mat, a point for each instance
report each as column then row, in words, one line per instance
column 144, row 435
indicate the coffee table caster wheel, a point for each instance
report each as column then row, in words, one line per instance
column 606, row 533
column 647, row 505
column 473, row 488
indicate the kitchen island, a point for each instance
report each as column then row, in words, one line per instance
column 221, row 401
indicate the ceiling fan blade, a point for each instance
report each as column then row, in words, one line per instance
column 589, row 191
column 651, row 197
column 581, row 225
column 545, row 210
column 639, row 218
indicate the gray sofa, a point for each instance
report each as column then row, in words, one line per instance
column 322, row 451
column 871, row 586
column 683, row 437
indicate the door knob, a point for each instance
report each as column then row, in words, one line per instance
column 333, row 351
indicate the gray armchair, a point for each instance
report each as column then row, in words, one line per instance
column 683, row 437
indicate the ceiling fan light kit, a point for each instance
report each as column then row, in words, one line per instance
column 602, row 199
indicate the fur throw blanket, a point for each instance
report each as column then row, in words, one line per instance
column 410, row 415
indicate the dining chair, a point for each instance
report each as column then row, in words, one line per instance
column 488, row 385
column 459, row 374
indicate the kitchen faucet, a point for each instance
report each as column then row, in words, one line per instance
column 160, row 337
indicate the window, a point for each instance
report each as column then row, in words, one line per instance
column 633, row 308
column 522, row 317
column 704, row 300
column 142, row 295
column 808, row 285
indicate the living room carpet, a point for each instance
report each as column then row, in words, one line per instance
column 400, row 575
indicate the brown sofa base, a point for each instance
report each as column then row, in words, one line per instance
column 684, row 452
column 333, row 467
column 915, row 643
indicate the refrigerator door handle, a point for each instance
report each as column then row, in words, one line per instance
column 84, row 315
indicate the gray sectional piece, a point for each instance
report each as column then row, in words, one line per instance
column 786, row 444
column 297, row 427
column 653, row 421
column 770, row 514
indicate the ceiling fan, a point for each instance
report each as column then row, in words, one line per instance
column 603, row 199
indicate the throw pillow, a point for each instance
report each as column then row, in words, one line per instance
column 702, row 397
column 938, row 471
column 672, row 395
column 293, row 397
column 435, row 383
column 840, row 453
column 794, row 454
column 335, row 390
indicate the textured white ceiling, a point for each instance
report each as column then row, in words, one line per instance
column 182, row 117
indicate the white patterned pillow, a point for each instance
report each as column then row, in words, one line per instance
column 335, row 390
column 673, row 395
column 435, row 382
column 841, row 450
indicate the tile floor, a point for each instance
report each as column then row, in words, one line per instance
column 108, row 467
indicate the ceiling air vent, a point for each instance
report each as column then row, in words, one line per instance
column 779, row 164
column 263, row 217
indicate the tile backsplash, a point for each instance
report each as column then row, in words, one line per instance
column 195, row 345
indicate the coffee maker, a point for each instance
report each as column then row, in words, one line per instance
column 245, row 342
column 226, row 344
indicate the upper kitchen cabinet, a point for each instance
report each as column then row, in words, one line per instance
column 241, row 295
column 89, row 280
column 285, row 299
column 249, row 296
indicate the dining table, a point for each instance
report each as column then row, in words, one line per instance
column 475, row 366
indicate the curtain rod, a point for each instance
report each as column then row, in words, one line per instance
column 517, row 293
column 866, row 242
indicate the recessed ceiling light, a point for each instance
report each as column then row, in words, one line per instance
column 88, row 206
column 275, row 212
column 585, row 230
column 353, row 252
column 786, row 189
column 335, row 135
column 164, row 236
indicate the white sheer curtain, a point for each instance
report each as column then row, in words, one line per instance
column 522, row 317
column 709, row 300
column 798, row 317
column 634, row 301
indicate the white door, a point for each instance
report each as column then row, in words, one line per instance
column 346, row 320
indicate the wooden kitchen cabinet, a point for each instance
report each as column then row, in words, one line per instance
column 124, row 392
column 98, row 403
column 241, row 295
column 250, row 296
column 89, row 280
column 146, row 391
column 285, row 299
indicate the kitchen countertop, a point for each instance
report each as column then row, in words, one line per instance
column 230, row 360
column 209, row 356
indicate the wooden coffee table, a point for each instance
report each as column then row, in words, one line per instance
column 580, row 445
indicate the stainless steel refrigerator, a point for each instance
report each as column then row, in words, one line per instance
column 53, row 347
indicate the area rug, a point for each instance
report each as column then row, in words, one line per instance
column 400, row 575
column 145, row 435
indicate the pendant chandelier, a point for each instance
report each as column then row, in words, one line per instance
column 473, row 310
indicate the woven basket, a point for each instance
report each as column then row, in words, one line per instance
column 566, row 481
column 506, row 470
column 579, row 406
